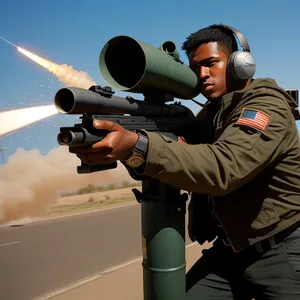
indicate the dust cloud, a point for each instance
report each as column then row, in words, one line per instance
column 29, row 181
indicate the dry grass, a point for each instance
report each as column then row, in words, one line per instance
column 92, row 201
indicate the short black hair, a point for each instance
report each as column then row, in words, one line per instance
column 213, row 33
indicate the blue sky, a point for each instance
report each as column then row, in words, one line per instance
column 74, row 32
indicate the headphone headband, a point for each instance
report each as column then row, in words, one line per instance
column 241, row 38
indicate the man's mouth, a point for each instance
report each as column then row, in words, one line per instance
column 207, row 86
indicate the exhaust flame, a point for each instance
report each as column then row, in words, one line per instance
column 65, row 73
column 15, row 119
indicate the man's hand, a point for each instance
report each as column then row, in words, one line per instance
column 181, row 140
column 117, row 144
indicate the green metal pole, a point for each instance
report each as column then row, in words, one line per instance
column 163, row 241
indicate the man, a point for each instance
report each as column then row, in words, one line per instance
column 242, row 164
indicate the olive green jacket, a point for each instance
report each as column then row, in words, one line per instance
column 251, row 166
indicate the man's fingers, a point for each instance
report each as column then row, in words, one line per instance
column 181, row 140
column 95, row 155
column 83, row 150
column 106, row 125
column 91, row 161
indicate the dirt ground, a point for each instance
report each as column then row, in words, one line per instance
column 92, row 201
column 116, row 194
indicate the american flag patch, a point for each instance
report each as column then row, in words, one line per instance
column 254, row 118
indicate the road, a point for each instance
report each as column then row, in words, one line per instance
column 41, row 257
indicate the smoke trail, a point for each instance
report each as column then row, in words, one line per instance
column 65, row 73
column 29, row 181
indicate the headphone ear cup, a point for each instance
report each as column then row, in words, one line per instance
column 241, row 65
column 230, row 66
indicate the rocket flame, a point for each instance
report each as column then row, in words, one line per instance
column 65, row 73
column 15, row 119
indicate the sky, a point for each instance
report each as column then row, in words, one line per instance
column 74, row 32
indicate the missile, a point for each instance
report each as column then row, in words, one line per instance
column 2, row 38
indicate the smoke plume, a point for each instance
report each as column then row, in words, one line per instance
column 29, row 182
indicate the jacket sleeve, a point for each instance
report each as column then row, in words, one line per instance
column 240, row 153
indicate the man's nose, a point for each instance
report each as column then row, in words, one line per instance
column 204, row 73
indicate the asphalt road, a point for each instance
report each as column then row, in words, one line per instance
column 41, row 257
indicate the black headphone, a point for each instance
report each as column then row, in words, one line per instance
column 241, row 64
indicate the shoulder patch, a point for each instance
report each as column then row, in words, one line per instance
column 254, row 118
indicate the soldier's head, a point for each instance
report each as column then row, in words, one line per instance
column 208, row 50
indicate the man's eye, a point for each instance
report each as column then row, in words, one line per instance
column 210, row 63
